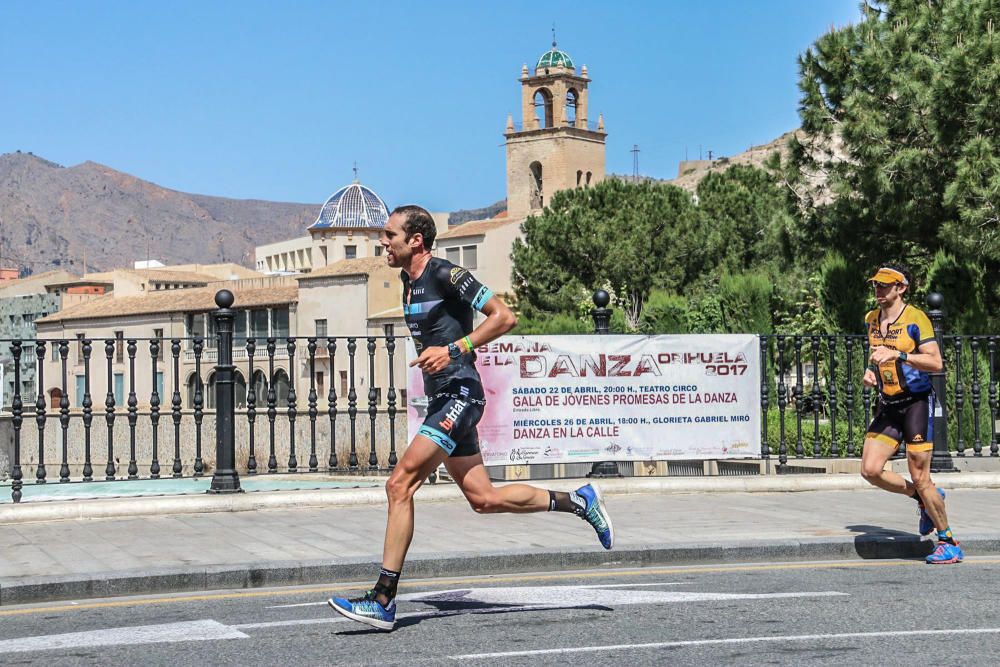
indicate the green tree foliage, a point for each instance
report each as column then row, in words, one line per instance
column 844, row 297
column 634, row 236
column 745, row 301
column 898, row 156
column 665, row 313
column 553, row 324
column 744, row 214
column 960, row 284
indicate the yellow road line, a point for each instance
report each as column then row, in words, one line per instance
column 418, row 583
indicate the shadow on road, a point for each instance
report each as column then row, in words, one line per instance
column 878, row 542
column 446, row 608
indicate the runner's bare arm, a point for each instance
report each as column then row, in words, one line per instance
column 499, row 320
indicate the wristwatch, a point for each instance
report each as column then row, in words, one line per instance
column 902, row 356
column 454, row 351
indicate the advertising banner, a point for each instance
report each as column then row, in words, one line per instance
column 558, row 399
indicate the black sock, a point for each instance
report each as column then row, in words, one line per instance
column 560, row 501
column 385, row 587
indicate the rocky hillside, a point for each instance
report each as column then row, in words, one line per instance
column 55, row 217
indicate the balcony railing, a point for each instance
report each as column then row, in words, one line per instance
column 590, row 125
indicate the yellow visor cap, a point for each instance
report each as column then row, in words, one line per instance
column 888, row 276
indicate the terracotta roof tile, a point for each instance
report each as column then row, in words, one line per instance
column 361, row 266
column 478, row 227
column 171, row 301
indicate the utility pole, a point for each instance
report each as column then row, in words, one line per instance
column 635, row 163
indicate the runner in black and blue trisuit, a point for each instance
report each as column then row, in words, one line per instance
column 438, row 303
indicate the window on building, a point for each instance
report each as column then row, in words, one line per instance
column 536, row 185
column 572, row 101
column 321, row 328
column 343, row 383
column 260, row 388
column 402, row 397
column 54, row 349
column 281, row 385
column 240, row 329
column 320, row 383
column 350, row 251
column 119, row 346
column 378, row 251
column 258, row 324
column 158, row 335
column 159, row 386
column 239, row 390
column 119, row 388
column 192, row 389
column 470, row 256
column 588, row 177
column 279, row 323
column 210, row 340
column 453, row 255
column 579, row 177
column 81, row 389
column 543, row 107
column 79, row 347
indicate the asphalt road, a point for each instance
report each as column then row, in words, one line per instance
column 843, row 612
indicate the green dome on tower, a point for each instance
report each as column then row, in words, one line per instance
column 555, row 58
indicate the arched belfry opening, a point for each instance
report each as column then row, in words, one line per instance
column 543, row 108
column 537, row 191
column 572, row 102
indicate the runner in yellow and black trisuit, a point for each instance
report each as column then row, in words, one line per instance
column 903, row 353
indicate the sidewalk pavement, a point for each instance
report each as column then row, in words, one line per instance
column 155, row 545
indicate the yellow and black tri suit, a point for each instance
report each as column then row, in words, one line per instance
column 905, row 410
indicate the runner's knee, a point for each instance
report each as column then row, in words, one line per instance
column 922, row 480
column 871, row 471
column 399, row 488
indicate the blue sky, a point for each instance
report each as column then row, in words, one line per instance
column 277, row 101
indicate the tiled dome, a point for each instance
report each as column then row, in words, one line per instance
column 555, row 58
column 352, row 206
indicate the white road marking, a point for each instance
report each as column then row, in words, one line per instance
column 659, row 583
column 412, row 614
column 186, row 631
column 580, row 596
column 733, row 640
column 623, row 585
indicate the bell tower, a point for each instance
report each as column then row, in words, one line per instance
column 556, row 146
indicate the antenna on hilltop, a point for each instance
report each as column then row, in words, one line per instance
column 635, row 163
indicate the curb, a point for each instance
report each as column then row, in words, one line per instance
column 111, row 508
column 172, row 580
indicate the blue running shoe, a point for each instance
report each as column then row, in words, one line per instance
column 366, row 610
column 926, row 526
column 596, row 515
column 945, row 553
